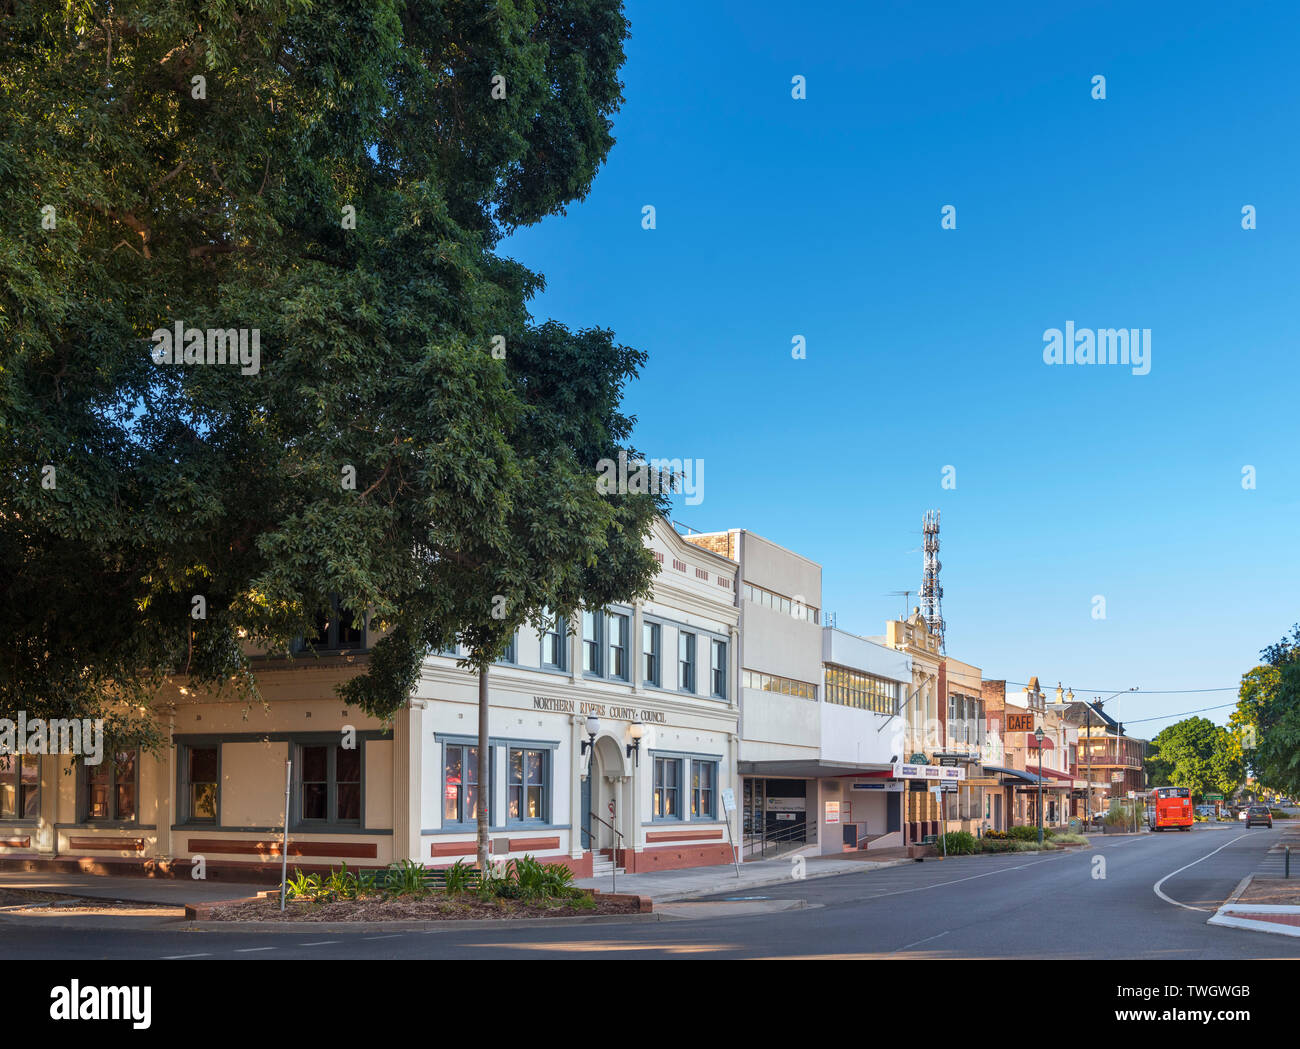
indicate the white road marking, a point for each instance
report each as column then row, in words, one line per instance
column 250, row 950
column 926, row 940
column 1188, row 906
column 392, row 937
column 318, row 943
column 178, row 957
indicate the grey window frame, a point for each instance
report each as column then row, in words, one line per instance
column 16, row 777
column 625, row 648
column 596, row 643
column 656, row 790
column 560, row 632
column 331, row 820
column 716, row 643
column 485, row 797
column 332, row 643
column 185, row 792
column 83, row 791
column 692, row 663
column 712, row 788
column 546, row 753
column 655, row 652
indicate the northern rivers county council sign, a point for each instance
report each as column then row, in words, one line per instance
column 601, row 710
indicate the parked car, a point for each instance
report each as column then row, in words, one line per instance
column 1205, row 810
column 1258, row 814
column 1241, row 814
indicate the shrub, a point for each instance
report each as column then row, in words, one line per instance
column 1008, row 845
column 957, row 843
column 1278, row 814
column 341, row 884
column 303, row 886
column 995, row 835
column 1027, row 834
column 406, row 878
column 458, row 877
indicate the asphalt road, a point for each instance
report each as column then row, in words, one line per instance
column 1011, row 906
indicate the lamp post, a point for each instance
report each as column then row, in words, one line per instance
column 1038, row 735
column 593, row 729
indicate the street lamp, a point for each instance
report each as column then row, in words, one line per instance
column 1038, row 735
column 593, row 727
column 636, row 730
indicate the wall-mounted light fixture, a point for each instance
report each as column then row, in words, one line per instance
column 636, row 730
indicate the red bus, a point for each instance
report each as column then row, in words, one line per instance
column 1169, row 807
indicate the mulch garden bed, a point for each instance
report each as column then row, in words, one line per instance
column 434, row 907
column 1272, row 892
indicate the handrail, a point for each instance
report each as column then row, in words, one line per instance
column 591, row 844
column 609, row 825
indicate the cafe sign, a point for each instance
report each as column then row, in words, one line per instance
column 1020, row 722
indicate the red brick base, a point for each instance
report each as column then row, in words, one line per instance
column 674, row 857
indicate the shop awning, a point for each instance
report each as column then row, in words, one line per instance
column 812, row 768
column 1053, row 774
column 1020, row 774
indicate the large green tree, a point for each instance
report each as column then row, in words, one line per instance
column 1267, row 719
column 337, row 177
column 1198, row 754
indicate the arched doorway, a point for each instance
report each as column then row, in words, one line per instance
column 605, row 796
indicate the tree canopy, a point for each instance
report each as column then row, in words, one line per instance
column 332, row 179
column 1267, row 718
column 1198, row 754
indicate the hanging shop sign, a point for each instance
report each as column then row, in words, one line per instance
column 928, row 772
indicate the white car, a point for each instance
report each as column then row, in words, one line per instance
column 1242, row 814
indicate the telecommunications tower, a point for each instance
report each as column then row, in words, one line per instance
column 931, row 590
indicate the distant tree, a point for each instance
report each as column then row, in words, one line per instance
column 1198, row 754
column 1266, row 723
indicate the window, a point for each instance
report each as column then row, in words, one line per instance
column 553, row 642
column 784, row 605
column 853, row 688
column 528, row 776
column 591, row 622
column 784, row 685
column 201, row 784
column 704, row 782
column 340, row 628
column 509, row 655
column 685, row 661
column 110, row 788
column 460, row 784
column 718, row 667
column 329, row 781
column 617, row 628
column 20, row 786
column 668, row 789
column 651, row 637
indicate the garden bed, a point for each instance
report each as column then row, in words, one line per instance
column 433, row 907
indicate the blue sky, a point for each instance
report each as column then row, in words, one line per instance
column 821, row 217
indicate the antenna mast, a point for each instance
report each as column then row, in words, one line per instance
column 931, row 590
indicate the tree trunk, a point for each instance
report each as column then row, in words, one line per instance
column 483, row 773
